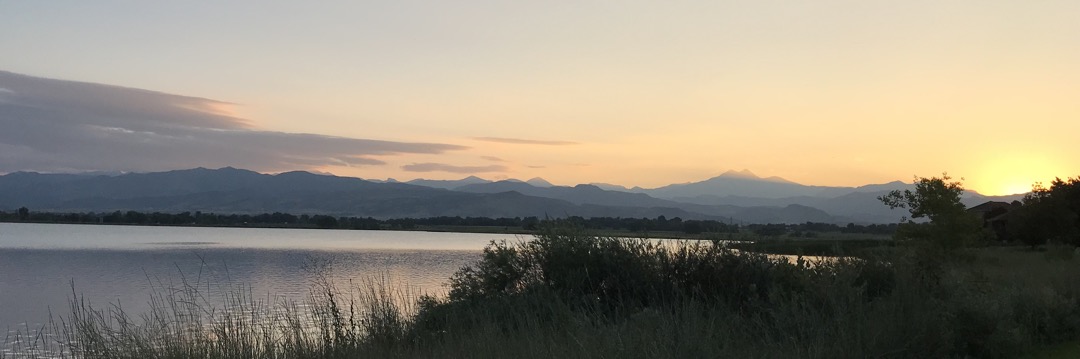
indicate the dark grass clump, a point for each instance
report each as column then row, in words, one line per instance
column 728, row 302
column 702, row 298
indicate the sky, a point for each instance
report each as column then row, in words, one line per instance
column 636, row 93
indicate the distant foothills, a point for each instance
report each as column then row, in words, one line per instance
column 733, row 197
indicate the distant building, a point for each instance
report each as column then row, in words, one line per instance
column 995, row 216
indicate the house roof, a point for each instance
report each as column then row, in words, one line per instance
column 990, row 206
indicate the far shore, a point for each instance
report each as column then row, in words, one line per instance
column 821, row 244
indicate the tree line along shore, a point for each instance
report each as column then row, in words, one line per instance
column 519, row 225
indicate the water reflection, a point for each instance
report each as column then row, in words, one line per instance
column 43, row 266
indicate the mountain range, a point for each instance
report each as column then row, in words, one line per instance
column 735, row 196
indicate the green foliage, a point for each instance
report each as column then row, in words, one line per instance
column 591, row 271
column 323, row 221
column 933, row 198
column 900, row 305
column 769, row 230
column 809, row 245
column 1048, row 214
column 1007, row 301
column 949, row 228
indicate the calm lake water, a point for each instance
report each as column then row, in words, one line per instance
column 43, row 265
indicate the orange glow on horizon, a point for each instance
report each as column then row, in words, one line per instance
column 1014, row 174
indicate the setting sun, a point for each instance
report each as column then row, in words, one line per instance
column 1014, row 174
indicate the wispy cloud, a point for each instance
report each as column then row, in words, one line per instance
column 493, row 158
column 521, row 141
column 356, row 161
column 442, row 167
column 56, row 125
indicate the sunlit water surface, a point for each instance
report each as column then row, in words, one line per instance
column 42, row 266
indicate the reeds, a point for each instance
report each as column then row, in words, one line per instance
column 568, row 294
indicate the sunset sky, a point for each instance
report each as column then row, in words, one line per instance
column 636, row 93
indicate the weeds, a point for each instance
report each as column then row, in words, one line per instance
column 570, row 294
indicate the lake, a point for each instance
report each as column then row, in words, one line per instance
column 43, row 265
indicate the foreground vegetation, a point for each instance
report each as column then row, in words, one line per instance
column 566, row 293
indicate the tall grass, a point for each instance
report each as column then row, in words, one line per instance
column 185, row 322
column 574, row 295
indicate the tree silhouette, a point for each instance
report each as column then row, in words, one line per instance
column 1048, row 214
column 936, row 199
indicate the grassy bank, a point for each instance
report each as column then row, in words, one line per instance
column 815, row 247
column 574, row 295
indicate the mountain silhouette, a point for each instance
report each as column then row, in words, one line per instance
column 732, row 196
column 730, row 183
column 539, row 182
column 230, row 190
column 448, row 184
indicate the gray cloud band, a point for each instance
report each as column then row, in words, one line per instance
column 55, row 125
column 522, row 141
